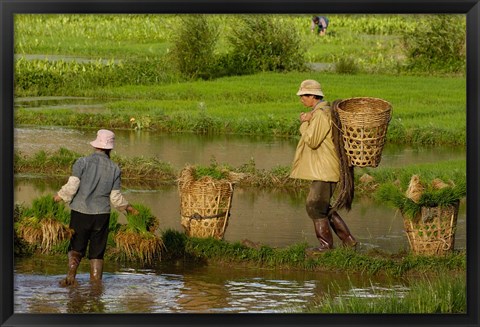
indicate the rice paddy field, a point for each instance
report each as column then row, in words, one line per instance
column 124, row 63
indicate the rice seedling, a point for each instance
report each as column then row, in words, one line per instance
column 136, row 240
column 430, row 196
column 44, row 224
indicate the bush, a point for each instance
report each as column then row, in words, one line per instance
column 346, row 66
column 194, row 44
column 265, row 43
column 437, row 45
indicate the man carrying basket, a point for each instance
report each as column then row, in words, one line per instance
column 316, row 159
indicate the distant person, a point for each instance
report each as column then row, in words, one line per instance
column 93, row 186
column 319, row 24
column 316, row 160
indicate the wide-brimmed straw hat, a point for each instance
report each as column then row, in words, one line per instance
column 310, row 86
column 105, row 140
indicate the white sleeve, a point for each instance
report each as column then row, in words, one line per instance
column 69, row 189
column 117, row 200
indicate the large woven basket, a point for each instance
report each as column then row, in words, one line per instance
column 204, row 205
column 433, row 233
column 364, row 128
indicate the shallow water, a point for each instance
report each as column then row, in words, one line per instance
column 181, row 149
column 182, row 289
column 269, row 217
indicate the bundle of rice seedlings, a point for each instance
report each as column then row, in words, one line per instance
column 415, row 189
column 44, row 224
column 30, row 230
column 420, row 195
column 136, row 240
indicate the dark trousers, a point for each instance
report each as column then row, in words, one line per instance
column 93, row 228
column 318, row 199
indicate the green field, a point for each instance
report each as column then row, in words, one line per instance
column 131, row 72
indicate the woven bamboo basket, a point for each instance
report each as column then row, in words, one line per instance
column 204, row 204
column 364, row 128
column 433, row 233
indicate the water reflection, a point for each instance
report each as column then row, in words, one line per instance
column 180, row 149
column 270, row 217
column 174, row 289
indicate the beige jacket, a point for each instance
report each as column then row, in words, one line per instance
column 316, row 157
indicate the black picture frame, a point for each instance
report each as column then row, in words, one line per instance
column 8, row 8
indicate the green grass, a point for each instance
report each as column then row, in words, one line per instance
column 436, row 294
column 266, row 104
column 219, row 252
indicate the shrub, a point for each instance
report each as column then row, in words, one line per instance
column 265, row 43
column 193, row 50
column 346, row 66
column 437, row 45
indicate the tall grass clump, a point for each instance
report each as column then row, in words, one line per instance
column 193, row 50
column 437, row 45
column 437, row 294
column 346, row 65
column 266, row 43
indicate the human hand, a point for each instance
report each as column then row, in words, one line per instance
column 132, row 210
column 57, row 198
column 305, row 116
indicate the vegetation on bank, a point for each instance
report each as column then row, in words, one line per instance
column 221, row 80
column 424, row 113
column 441, row 293
column 154, row 172
column 214, row 251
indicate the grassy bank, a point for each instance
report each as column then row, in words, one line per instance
column 154, row 172
column 211, row 251
column 266, row 104
column 437, row 294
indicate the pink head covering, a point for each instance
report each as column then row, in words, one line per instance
column 105, row 140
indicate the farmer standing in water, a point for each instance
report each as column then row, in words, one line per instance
column 316, row 159
column 92, row 187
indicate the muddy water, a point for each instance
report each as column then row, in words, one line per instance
column 182, row 289
column 273, row 218
column 179, row 149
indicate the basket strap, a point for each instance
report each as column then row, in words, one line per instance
column 199, row 216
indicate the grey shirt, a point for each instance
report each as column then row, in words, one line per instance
column 98, row 176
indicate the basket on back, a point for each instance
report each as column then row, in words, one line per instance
column 204, row 204
column 364, row 127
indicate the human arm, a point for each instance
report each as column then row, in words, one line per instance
column 315, row 128
column 312, row 26
column 68, row 191
column 120, row 203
